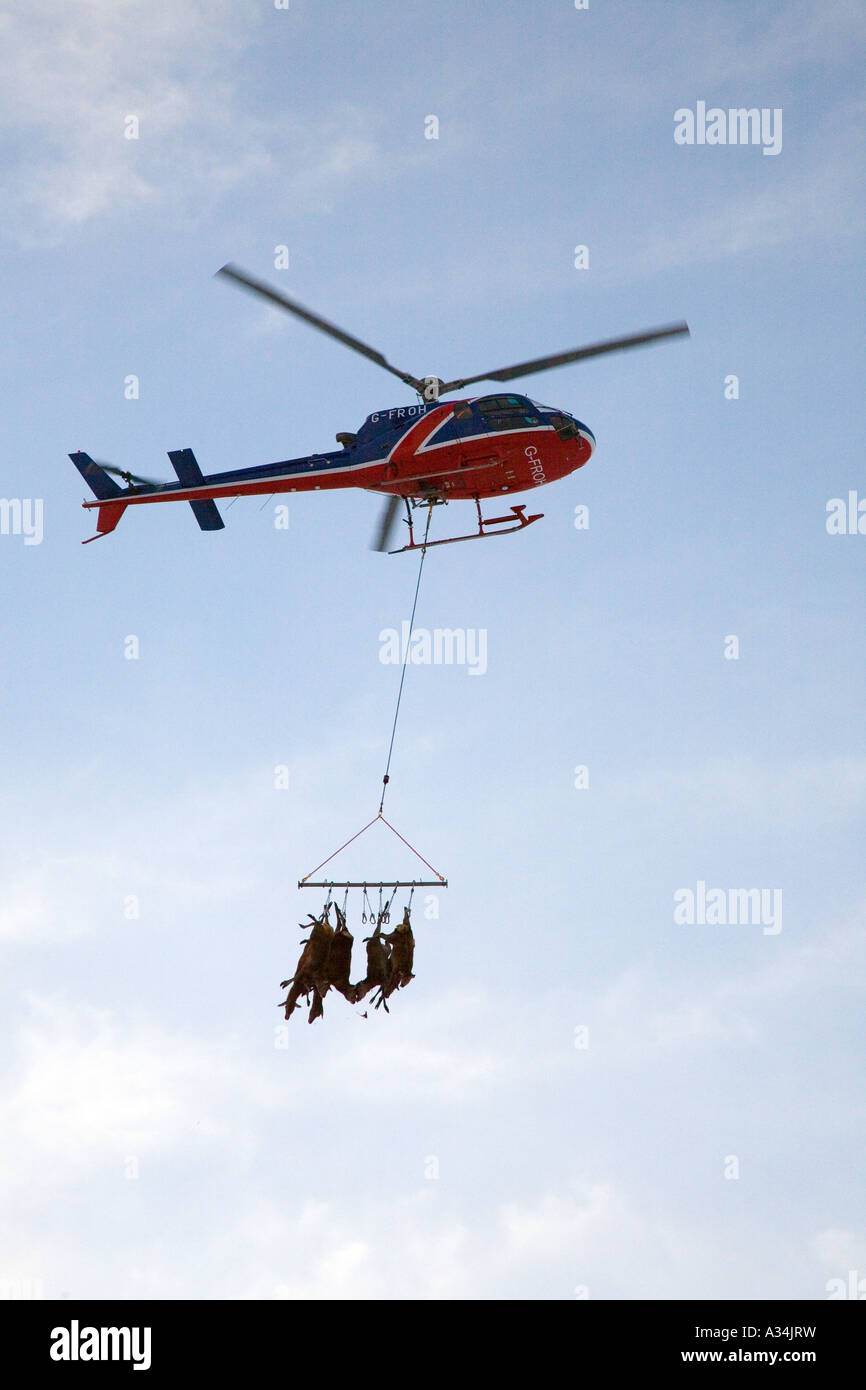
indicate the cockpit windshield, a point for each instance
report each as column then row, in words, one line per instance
column 507, row 412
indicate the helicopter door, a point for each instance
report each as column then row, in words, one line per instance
column 471, row 429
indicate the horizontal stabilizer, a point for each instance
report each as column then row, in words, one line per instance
column 185, row 465
column 207, row 515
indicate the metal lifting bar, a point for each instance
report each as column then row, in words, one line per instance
column 376, row 883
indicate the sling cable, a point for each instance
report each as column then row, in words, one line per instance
column 325, row 961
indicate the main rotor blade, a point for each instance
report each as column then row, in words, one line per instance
column 248, row 282
column 387, row 517
column 541, row 364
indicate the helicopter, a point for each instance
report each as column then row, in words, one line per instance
column 423, row 455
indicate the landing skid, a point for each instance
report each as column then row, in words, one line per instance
column 516, row 521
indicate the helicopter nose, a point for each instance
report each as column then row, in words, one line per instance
column 585, row 441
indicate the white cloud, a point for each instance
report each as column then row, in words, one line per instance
column 79, row 71
column 88, row 1089
column 563, row 1239
column 178, row 66
column 820, row 201
column 76, row 889
column 409, row 1053
column 760, row 43
column 840, row 1250
column 554, row 1223
column 413, row 1248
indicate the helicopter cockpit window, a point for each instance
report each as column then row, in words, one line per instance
column 506, row 413
column 564, row 426
column 463, row 411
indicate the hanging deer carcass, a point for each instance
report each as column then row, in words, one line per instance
column 401, row 947
column 310, row 971
column 378, row 965
column 338, row 966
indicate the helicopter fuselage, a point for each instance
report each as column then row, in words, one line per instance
column 482, row 447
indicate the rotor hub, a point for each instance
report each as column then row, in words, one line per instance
column 432, row 388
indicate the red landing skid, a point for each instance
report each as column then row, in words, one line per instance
column 518, row 520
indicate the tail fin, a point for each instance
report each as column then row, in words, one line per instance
column 101, row 484
column 185, row 465
column 105, row 490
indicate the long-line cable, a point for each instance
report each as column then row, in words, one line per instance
column 386, row 777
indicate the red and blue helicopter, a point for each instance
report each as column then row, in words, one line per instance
column 419, row 455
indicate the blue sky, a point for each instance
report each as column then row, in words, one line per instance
column 150, row 1045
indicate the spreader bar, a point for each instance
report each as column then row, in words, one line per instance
column 385, row 883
